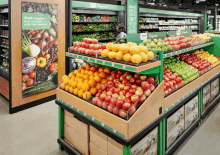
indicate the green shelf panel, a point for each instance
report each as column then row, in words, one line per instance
column 154, row 70
column 92, row 119
column 187, row 50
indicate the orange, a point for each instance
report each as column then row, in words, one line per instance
column 124, row 49
column 67, row 87
column 83, row 71
column 136, row 58
column 107, row 70
column 64, row 77
column 93, row 69
column 150, row 55
column 102, row 75
column 93, row 90
column 71, row 75
column 85, row 76
column 78, row 75
column 86, row 71
column 101, row 69
column 80, row 93
column 73, row 78
column 80, row 80
column 79, row 85
column 144, row 57
column 109, row 46
column 86, row 81
column 115, row 48
column 82, row 68
column 87, row 65
column 104, row 81
column 86, row 95
column 96, row 73
column 75, row 91
column 98, row 86
column 111, row 55
column 66, row 81
column 62, row 86
column 91, row 77
column 105, row 53
column 90, row 73
column 134, row 50
column 71, row 90
column 70, row 81
column 127, row 57
column 76, row 71
column 97, row 66
column 92, row 83
column 74, row 84
column 97, row 78
column 85, row 87
column 119, row 56
column 77, row 78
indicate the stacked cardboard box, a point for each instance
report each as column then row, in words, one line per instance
column 214, row 89
column 206, row 95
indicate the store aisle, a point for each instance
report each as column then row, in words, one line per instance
column 29, row 132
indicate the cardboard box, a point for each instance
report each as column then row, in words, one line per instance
column 206, row 90
column 146, row 144
column 215, row 84
column 175, row 118
column 79, row 128
column 95, row 150
column 191, row 118
column 99, row 139
column 214, row 94
column 206, row 100
column 191, row 106
column 152, row 151
column 174, row 134
column 114, row 148
column 77, row 142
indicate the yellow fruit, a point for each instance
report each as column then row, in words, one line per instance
column 71, row 75
column 111, row 55
column 144, row 57
column 86, row 81
column 133, row 44
column 97, row 78
column 109, row 46
column 85, row 87
column 124, row 49
column 136, row 58
column 127, row 57
column 76, row 71
column 129, row 44
column 85, row 76
column 93, row 91
column 86, row 95
column 64, row 77
column 119, row 55
column 67, row 87
column 134, row 50
column 92, row 83
column 143, row 49
column 80, row 93
column 105, row 53
column 66, row 81
column 71, row 90
column 115, row 48
column 62, row 86
column 75, row 91
column 150, row 55
column 74, row 84
column 79, row 85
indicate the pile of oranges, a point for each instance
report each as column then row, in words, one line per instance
column 130, row 52
column 85, row 81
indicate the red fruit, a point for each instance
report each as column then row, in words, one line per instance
column 103, row 46
column 134, row 98
column 127, row 88
column 113, row 101
column 87, row 46
column 107, row 99
column 110, row 108
column 128, row 100
column 25, row 78
column 105, row 105
column 113, row 73
column 109, row 93
column 83, row 50
column 122, row 92
column 83, row 45
column 103, row 87
column 174, row 82
column 152, row 87
column 138, row 82
column 121, row 86
column 165, row 88
column 72, row 48
column 134, row 86
column 104, row 92
column 139, row 92
column 128, row 77
column 102, row 97
column 89, row 41
column 97, row 47
column 136, row 76
column 96, row 53
column 143, row 77
column 119, row 103
column 99, row 103
column 143, row 98
column 116, row 91
column 132, row 110
column 94, row 41
column 132, row 80
column 122, row 113
column 95, row 100
column 118, row 76
column 145, row 85
column 87, row 51
column 167, row 84
column 128, row 95
column 91, row 52
column 75, row 49
column 124, row 82
column 98, row 94
column 126, row 106
column 171, row 84
column 115, row 110
column 115, row 96
column 147, row 92
column 132, row 91
column 85, row 40
column 119, row 72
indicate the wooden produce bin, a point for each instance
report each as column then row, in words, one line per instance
column 148, row 112
column 4, row 87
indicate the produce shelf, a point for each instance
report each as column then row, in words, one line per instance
column 119, row 65
column 112, row 30
column 5, row 46
column 4, row 36
column 208, row 109
column 91, row 22
column 181, row 139
column 187, row 50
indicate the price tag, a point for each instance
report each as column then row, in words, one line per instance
column 143, row 36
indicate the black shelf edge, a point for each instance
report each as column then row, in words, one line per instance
column 4, row 5
column 212, row 105
column 92, row 22
column 112, row 30
column 68, row 148
column 4, row 36
column 4, row 46
column 4, row 25
column 182, row 138
column 106, row 39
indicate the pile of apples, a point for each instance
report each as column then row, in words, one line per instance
column 88, row 46
column 177, row 42
column 195, row 61
column 172, row 81
column 122, row 92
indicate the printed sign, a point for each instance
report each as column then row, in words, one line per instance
column 132, row 16
column 143, row 36
column 184, row 33
column 39, row 47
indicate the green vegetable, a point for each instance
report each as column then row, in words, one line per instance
column 113, row 19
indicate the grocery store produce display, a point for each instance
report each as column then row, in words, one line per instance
column 157, row 44
column 205, row 55
column 118, row 92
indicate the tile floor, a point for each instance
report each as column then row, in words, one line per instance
column 34, row 132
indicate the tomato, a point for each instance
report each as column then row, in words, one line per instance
column 32, row 74
column 24, row 86
column 25, row 78
column 53, row 67
column 30, row 82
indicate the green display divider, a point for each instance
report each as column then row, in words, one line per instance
column 2, row 2
column 100, row 6
column 132, row 16
column 156, row 11
column 215, row 49
column 184, row 33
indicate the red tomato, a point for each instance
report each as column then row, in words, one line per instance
column 30, row 82
column 53, row 67
column 24, row 86
column 32, row 74
column 25, row 78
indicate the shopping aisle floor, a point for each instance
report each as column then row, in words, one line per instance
column 35, row 131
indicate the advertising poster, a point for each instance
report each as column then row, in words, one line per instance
column 39, row 47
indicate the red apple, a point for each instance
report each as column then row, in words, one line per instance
column 143, row 98
column 95, row 100
column 97, row 47
column 147, row 92
column 145, row 85
column 85, row 40
column 87, row 46
column 87, row 51
column 134, row 98
column 122, row 113
column 115, row 96
column 98, row 94
column 138, row 82
column 91, row 52
column 96, row 53
column 118, row 76
column 127, row 88
column 126, row 106
column 89, row 41
column 150, row 80
column 115, row 110
column 102, row 97
column 134, row 86
column 132, row 90
column 71, row 49
column 99, row 103
column 104, row 92
column 122, row 93
column 110, row 108
column 132, row 80
column 75, row 49
column 105, row 105
column 132, row 110
column 109, row 93
column 119, row 103
column 116, row 91
column 119, row 72
column 92, row 46
column 103, row 46
column 143, row 77
column 83, row 50
column 128, row 77
column 121, row 86
column 137, row 76
column 139, row 92
column 83, row 45
column 152, row 87
column 107, row 99
column 113, row 101
column 103, row 87
column 128, row 100
column 94, row 41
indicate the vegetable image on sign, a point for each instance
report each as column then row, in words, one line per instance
column 39, row 47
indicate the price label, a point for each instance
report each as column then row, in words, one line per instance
column 143, row 36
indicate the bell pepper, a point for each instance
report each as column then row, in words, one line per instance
column 41, row 62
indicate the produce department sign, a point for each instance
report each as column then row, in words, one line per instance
column 132, row 16
column 39, row 47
